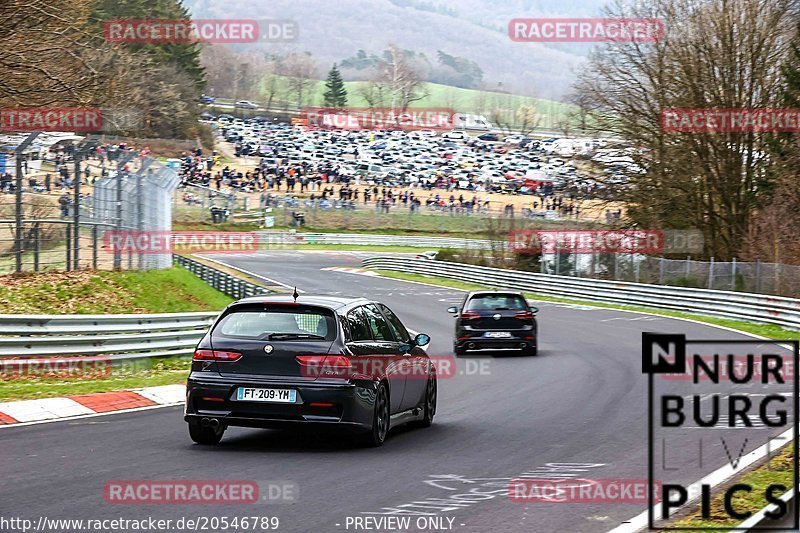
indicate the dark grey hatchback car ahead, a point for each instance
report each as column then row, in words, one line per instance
column 277, row 361
column 495, row 321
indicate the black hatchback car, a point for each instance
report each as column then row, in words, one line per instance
column 277, row 361
column 495, row 321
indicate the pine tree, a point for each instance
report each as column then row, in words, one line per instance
column 335, row 93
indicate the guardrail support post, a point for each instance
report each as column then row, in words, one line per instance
column 711, row 274
column 733, row 278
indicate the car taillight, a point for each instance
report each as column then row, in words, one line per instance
column 324, row 365
column 466, row 315
column 216, row 355
column 525, row 315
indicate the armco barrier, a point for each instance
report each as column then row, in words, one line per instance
column 268, row 238
column 118, row 337
column 725, row 304
column 222, row 281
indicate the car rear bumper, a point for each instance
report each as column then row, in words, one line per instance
column 519, row 341
column 351, row 404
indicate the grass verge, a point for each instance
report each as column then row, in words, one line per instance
column 145, row 374
column 777, row 470
column 174, row 290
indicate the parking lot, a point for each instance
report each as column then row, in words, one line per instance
column 457, row 172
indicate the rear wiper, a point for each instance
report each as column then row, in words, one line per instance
column 287, row 336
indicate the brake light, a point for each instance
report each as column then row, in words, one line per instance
column 324, row 365
column 216, row 355
column 467, row 315
column 525, row 315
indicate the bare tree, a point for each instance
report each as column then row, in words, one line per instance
column 373, row 92
column 47, row 52
column 528, row 119
column 302, row 75
column 722, row 54
column 402, row 80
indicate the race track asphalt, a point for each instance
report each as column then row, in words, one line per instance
column 579, row 408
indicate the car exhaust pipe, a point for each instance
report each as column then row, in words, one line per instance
column 523, row 344
column 205, row 422
column 213, row 423
column 471, row 346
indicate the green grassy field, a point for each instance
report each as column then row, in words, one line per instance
column 393, row 223
column 475, row 101
column 173, row 290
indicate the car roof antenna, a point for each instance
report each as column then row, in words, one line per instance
column 295, row 295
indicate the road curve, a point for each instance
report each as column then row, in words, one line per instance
column 582, row 401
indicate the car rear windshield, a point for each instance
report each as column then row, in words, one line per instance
column 496, row 302
column 278, row 322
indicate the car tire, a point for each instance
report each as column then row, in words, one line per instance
column 205, row 435
column 429, row 403
column 459, row 351
column 380, row 418
column 531, row 352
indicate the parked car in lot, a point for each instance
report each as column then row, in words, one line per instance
column 245, row 104
column 495, row 321
column 455, row 135
column 281, row 361
column 490, row 137
column 515, row 140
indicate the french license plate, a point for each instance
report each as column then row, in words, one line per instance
column 266, row 395
column 497, row 334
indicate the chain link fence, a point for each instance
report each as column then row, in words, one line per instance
column 57, row 215
column 755, row 277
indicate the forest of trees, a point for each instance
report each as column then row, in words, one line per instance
column 740, row 188
column 70, row 63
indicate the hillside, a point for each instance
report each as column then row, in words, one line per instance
column 475, row 30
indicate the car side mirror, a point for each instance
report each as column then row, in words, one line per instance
column 422, row 339
column 452, row 310
column 534, row 310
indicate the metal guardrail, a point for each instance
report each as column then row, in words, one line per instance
column 222, row 281
column 749, row 307
column 117, row 337
column 274, row 237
